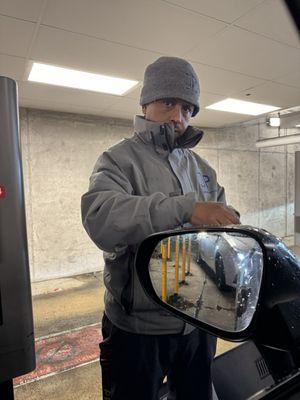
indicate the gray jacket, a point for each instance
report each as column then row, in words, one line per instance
column 143, row 185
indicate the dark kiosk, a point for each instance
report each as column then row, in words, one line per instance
column 17, row 355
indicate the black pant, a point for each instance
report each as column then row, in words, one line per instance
column 134, row 365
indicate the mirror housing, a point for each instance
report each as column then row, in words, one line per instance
column 272, row 325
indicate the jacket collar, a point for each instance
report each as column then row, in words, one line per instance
column 163, row 136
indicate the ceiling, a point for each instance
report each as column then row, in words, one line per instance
column 247, row 49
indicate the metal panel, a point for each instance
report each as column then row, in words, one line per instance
column 16, row 326
column 297, row 198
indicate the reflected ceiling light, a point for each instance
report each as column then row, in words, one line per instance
column 278, row 141
column 66, row 77
column 242, row 107
column 298, row 126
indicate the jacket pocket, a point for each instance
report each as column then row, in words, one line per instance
column 118, row 278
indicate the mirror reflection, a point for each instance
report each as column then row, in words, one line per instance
column 214, row 277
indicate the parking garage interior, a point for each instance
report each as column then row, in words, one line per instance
column 248, row 50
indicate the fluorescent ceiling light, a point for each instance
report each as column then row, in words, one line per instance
column 297, row 126
column 278, row 141
column 59, row 76
column 241, row 107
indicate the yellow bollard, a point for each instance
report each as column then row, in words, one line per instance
column 183, row 259
column 161, row 247
column 176, row 267
column 189, row 256
column 164, row 273
column 169, row 248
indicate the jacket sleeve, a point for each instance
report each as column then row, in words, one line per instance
column 221, row 194
column 114, row 217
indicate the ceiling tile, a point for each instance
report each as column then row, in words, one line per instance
column 274, row 94
column 135, row 93
column 230, row 61
column 151, row 25
column 225, row 10
column 28, row 10
column 248, row 53
column 209, row 98
column 15, row 36
column 38, row 92
column 12, row 67
column 72, row 50
column 216, row 80
column 215, row 119
column 271, row 19
column 129, row 106
column 292, row 79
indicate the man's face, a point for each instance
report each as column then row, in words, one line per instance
column 170, row 110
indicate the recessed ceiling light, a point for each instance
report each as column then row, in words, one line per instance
column 59, row 76
column 241, row 107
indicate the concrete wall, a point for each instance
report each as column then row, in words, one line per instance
column 60, row 150
column 259, row 182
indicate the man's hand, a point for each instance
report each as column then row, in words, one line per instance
column 212, row 213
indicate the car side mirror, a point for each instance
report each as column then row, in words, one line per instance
column 210, row 278
column 234, row 282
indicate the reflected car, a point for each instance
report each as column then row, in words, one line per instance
column 222, row 253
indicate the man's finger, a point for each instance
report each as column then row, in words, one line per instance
column 228, row 219
column 232, row 216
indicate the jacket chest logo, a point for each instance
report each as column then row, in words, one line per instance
column 205, row 179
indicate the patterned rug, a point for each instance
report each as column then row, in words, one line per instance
column 64, row 351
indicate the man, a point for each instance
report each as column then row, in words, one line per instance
column 150, row 183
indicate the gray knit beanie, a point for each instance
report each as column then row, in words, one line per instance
column 171, row 77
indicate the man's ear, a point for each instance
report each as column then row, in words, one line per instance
column 144, row 108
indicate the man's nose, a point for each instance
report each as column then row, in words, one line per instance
column 176, row 115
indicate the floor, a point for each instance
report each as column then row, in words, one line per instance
column 67, row 315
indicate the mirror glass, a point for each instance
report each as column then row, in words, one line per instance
column 214, row 277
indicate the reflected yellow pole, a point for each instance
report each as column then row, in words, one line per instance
column 164, row 273
column 169, row 248
column 161, row 247
column 183, row 259
column 189, row 256
column 176, row 267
